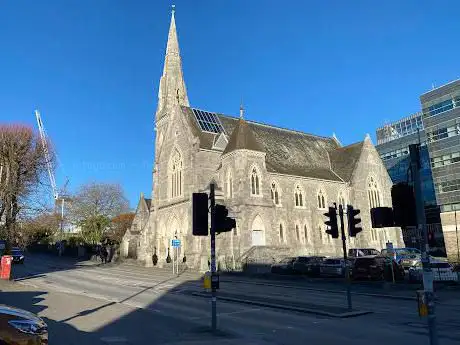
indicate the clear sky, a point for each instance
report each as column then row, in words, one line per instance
column 93, row 66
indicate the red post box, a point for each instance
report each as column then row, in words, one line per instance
column 5, row 267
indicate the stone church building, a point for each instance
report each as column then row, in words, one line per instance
column 276, row 182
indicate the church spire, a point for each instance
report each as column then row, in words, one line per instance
column 173, row 43
column 172, row 89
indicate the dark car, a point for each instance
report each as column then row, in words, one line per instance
column 376, row 267
column 20, row 327
column 357, row 252
column 309, row 265
column 18, row 255
column 285, row 266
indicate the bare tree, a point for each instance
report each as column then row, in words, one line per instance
column 93, row 207
column 23, row 168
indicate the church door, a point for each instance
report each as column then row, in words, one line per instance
column 132, row 248
column 258, row 232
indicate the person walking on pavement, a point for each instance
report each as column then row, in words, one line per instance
column 104, row 254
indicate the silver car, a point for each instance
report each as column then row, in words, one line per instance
column 333, row 267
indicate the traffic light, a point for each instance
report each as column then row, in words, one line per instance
column 223, row 223
column 382, row 217
column 200, row 214
column 404, row 210
column 332, row 223
column 353, row 229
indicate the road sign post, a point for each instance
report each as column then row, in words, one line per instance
column 175, row 244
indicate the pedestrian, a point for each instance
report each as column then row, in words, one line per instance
column 104, row 254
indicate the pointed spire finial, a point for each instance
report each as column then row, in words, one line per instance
column 172, row 46
column 241, row 109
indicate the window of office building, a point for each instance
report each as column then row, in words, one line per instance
column 449, row 186
column 443, row 160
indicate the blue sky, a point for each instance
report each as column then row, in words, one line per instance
column 92, row 67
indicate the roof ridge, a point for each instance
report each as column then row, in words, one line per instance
column 276, row 127
column 266, row 124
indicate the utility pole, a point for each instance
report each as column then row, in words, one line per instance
column 421, row 221
column 345, row 256
column 212, row 197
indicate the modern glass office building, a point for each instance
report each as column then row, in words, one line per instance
column 441, row 119
column 393, row 142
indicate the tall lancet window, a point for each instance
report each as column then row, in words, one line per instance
column 175, row 175
column 255, row 188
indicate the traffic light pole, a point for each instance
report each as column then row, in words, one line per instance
column 427, row 272
column 212, row 198
column 345, row 257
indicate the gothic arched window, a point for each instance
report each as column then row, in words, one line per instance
column 275, row 193
column 373, row 193
column 175, row 175
column 321, row 200
column 298, row 196
column 305, row 234
column 281, row 234
column 255, row 183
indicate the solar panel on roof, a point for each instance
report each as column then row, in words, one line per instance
column 209, row 122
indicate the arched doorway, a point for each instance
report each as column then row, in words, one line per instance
column 132, row 248
column 258, row 232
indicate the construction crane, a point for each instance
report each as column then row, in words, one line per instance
column 58, row 197
column 43, row 139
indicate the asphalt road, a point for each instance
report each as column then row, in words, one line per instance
column 166, row 305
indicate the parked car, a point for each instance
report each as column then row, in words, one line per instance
column 401, row 253
column 20, row 327
column 410, row 261
column 376, row 267
column 285, row 266
column 333, row 267
column 442, row 271
column 357, row 252
column 18, row 255
column 309, row 265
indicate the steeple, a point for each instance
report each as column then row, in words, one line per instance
column 172, row 46
column 172, row 90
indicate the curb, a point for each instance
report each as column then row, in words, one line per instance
column 407, row 298
column 289, row 308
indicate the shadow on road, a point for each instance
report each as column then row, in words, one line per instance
column 176, row 314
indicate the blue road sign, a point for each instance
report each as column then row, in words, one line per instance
column 175, row 243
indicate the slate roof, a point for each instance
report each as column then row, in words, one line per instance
column 148, row 202
column 243, row 138
column 344, row 159
column 287, row 151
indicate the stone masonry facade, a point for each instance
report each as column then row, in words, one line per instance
column 276, row 182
